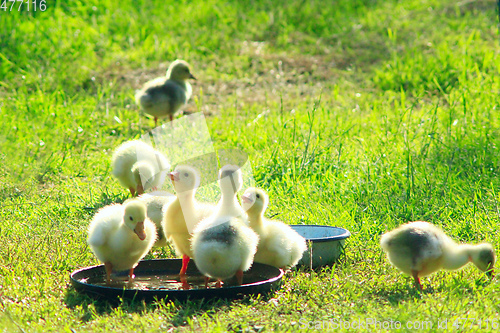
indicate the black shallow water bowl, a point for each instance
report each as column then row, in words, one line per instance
column 159, row 278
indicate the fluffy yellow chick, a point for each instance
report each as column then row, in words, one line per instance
column 279, row 245
column 164, row 96
column 420, row 249
column 120, row 236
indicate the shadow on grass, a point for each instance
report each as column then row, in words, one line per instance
column 183, row 310
column 400, row 293
column 404, row 292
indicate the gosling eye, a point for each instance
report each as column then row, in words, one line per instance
column 131, row 218
column 258, row 196
column 186, row 174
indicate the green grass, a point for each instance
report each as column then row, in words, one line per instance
column 360, row 114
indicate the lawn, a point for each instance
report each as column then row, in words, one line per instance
column 362, row 114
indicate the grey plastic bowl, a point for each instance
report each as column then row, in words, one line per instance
column 325, row 244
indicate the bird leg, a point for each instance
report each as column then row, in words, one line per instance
column 131, row 278
column 185, row 262
column 414, row 273
column 219, row 284
column 108, row 267
column 140, row 189
column 184, row 281
column 239, row 277
column 131, row 275
column 156, row 121
column 207, row 279
column 171, row 117
column 132, row 191
column 182, row 273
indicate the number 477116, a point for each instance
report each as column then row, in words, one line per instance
column 29, row 5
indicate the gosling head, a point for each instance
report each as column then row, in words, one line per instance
column 185, row 178
column 179, row 71
column 484, row 258
column 144, row 174
column 230, row 179
column 134, row 216
column 254, row 201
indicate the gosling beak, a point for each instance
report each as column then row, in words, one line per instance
column 139, row 230
column 174, row 176
column 247, row 198
column 140, row 189
column 191, row 76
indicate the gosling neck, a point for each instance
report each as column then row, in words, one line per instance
column 186, row 198
column 255, row 218
column 228, row 192
column 457, row 256
column 228, row 199
column 187, row 204
column 182, row 82
column 143, row 173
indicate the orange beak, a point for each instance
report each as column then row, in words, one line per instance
column 174, row 176
column 247, row 198
column 140, row 189
column 139, row 230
